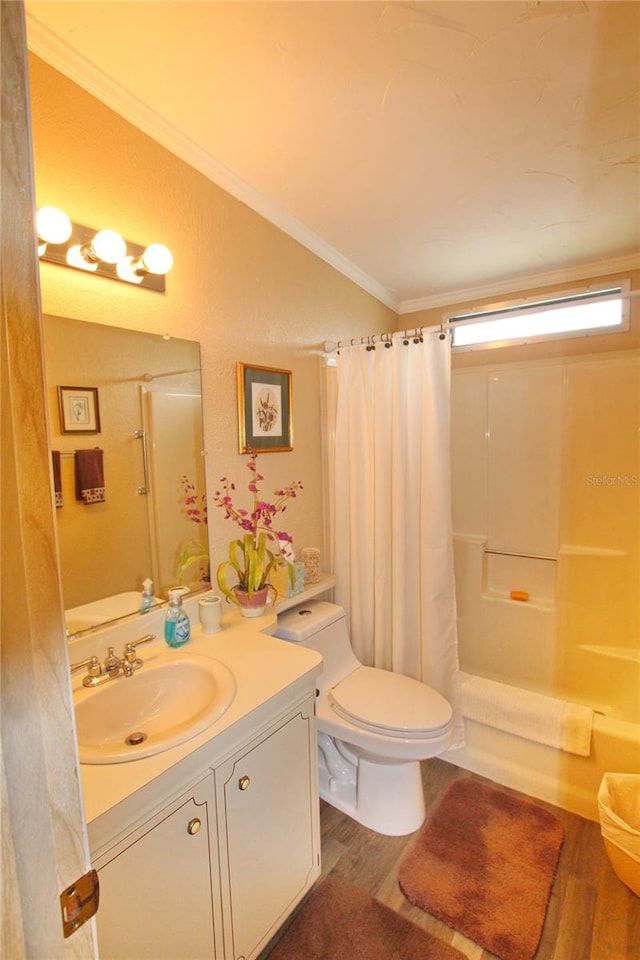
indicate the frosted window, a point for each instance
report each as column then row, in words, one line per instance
column 572, row 315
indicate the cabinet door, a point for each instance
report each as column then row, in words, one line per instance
column 156, row 887
column 271, row 812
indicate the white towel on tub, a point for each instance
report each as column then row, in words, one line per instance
column 556, row 723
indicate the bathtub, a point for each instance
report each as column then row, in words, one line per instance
column 563, row 779
column 531, row 647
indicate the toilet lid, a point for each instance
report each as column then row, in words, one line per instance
column 391, row 704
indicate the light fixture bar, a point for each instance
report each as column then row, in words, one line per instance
column 77, row 252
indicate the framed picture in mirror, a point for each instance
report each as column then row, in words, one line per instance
column 265, row 414
column 79, row 409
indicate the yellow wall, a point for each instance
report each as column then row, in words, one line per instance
column 239, row 285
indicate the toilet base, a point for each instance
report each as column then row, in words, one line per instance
column 385, row 797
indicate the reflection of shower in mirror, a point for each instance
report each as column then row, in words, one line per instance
column 173, row 420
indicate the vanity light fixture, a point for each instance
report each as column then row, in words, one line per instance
column 102, row 252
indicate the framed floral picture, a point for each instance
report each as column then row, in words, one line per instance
column 264, row 409
column 79, row 410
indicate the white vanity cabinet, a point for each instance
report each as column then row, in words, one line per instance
column 267, row 800
column 213, row 873
column 157, row 886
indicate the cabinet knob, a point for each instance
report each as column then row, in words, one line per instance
column 243, row 783
column 193, row 826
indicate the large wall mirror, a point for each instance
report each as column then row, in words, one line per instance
column 133, row 400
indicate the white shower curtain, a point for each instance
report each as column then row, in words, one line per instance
column 392, row 544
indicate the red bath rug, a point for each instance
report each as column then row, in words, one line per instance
column 342, row 922
column 484, row 863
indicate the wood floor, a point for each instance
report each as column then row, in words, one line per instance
column 591, row 914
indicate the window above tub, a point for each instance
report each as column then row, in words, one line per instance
column 574, row 313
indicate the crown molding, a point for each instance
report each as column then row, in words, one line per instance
column 45, row 44
column 532, row 281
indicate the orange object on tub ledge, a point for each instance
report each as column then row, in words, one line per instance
column 519, row 595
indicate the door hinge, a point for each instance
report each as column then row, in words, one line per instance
column 79, row 902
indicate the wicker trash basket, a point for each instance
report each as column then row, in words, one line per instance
column 619, row 809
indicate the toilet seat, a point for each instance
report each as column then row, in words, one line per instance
column 391, row 704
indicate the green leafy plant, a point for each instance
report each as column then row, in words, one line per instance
column 193, row 553
column 252, row 556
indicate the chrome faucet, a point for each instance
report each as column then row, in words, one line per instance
column 114, row 666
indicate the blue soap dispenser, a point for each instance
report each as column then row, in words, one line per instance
column 177, row 626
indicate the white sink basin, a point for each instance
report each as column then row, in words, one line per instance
column 168, row 700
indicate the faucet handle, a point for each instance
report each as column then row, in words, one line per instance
column 148, row 637
column 93, row 666
column 130, row 655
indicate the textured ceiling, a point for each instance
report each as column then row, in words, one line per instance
column 422, row 148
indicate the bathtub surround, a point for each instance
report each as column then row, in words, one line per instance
column 545, row 456
column 485, row 863
column 391, row 508
column 343, row 922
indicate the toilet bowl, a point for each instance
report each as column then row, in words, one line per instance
column 374, row 726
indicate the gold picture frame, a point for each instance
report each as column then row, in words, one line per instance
column 265, row 408
column 79, row 409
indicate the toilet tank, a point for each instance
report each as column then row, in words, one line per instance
column 321, row 626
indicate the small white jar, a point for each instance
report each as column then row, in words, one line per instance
column 210, row 613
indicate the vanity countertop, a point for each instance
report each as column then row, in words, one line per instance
column 263, row 666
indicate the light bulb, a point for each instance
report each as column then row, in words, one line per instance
column 76, row 258
column 108, row 246
column 53, row 225
column 125, row 270
column 156, row 259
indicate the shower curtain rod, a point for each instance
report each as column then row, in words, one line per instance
column 407, row 336
column 170, row 373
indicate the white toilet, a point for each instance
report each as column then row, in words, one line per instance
column 374, row 726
